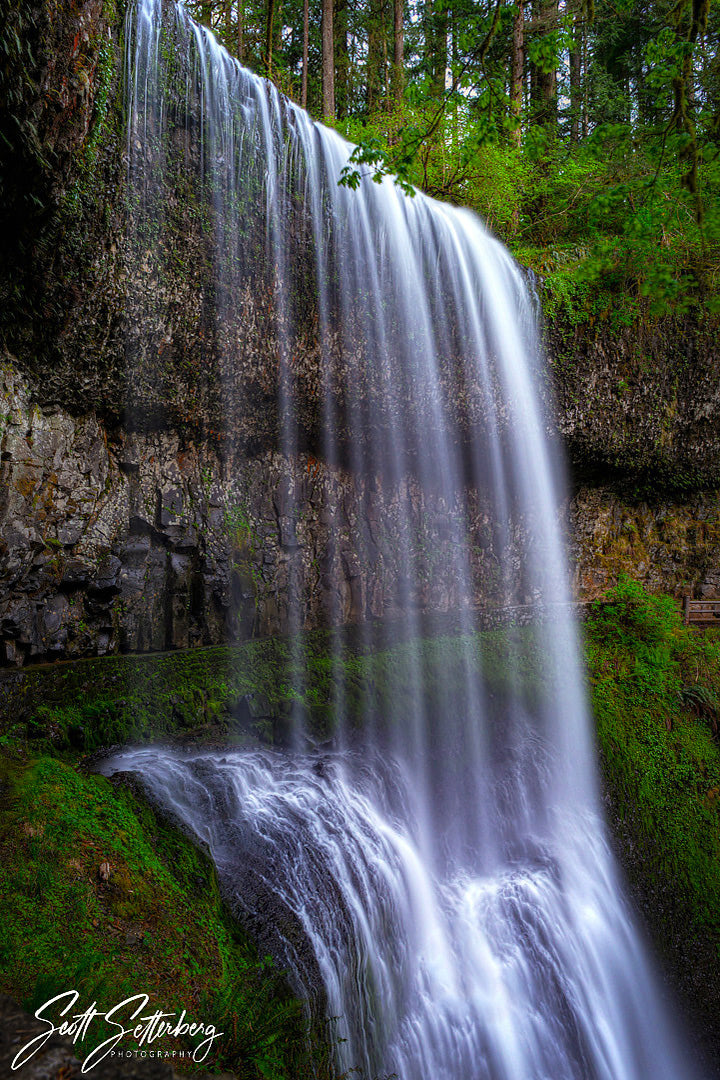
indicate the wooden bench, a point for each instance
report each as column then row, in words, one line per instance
column 701, row 613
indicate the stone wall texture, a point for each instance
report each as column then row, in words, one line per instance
column 639, row 405
column 670, row 544
column 137, row 513
column 150, row 541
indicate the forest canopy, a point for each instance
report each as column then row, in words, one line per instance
column 586, row 133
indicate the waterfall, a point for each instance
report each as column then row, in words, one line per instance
column 436, row 877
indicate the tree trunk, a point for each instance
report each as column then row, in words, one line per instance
column 328, row 60
column 386, row 73
column 227, row 23
column 544, row 83
column 375, row 63
column 548, row 79
column 398, row 49
column 269, row 21
column 306, row 36
column 585, row 83
column 516, row 71
column 436, row 45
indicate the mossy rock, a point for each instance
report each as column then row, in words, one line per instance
column 256, row 690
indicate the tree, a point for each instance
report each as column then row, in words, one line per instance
column 305, row 51
column 575, row 72
column 270, row 32
column 543, row 66
column 240, row 31
column 376, row 56
column 342, row 59
column 398, row 48
column 436, row 45
column 328, row 60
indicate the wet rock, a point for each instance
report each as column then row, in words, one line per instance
column 11, row 654
column 70, row 532
column 75, row 575
column 288, row 534
column 170, row 507
column 241, row 711
column 106, row 577
column 16, row 617
column 134, row 551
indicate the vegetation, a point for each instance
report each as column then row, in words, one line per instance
column 587, row 133
column 95, row 889
column 656, row 696
column 254, row 690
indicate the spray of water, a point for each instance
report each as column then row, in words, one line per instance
column 437, row 878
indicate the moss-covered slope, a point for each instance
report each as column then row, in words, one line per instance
column 259, row 688
column 656, row 696
column 98, row 895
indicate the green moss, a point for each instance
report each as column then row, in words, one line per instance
column 157, row 926
column 86, row 196
column 101, row 125
column 653, row 691
column 94, row 703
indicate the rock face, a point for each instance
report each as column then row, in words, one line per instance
column 138, row 512
column 62, row 199
column 639, row 406
column 148, row 542
column 670, row 544
column 151, row 541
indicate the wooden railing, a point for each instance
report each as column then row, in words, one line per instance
column 701, row 613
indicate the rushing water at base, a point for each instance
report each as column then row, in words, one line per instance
column 438, row 878
column 531, row 970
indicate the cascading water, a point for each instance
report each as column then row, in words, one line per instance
column 437, row 876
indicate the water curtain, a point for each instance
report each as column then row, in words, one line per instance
column 436, row 873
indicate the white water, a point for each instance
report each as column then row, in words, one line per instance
column 441, row 882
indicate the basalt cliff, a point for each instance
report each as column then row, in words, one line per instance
column 146, row 500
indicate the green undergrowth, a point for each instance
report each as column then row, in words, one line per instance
column 156, row 926
column 655, row 688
